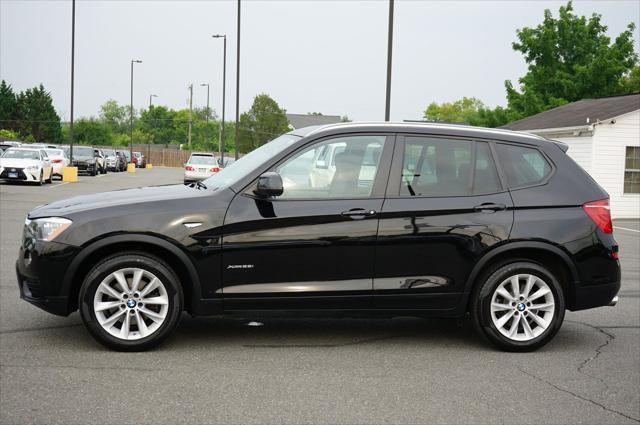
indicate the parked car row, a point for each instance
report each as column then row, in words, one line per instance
column 39, row 163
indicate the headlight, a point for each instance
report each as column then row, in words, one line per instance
column 32, row 168
column 45, row 229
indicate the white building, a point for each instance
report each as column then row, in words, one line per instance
column 604, row 138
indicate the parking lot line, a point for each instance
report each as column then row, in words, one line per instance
column 626, row 228
column 59, row 184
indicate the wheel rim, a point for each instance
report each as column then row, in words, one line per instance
column 522, row 307
column 131, row 303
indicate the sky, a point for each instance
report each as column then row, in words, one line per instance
column 310, row 56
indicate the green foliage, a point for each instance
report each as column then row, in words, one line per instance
column 37, row 117
column 8, row 107
column 8, row 134
column 345, row 118
column 570, row 58
column 115, row 116
column 263, row 122
column 631, row 82
column 460, row 111
column 90, row 131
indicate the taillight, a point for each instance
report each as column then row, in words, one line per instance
column 599, row 212
column 57, row 161
column 188, row 168
column 215, row 169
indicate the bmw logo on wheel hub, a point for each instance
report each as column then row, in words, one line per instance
column 520, row 306
column 131, row 303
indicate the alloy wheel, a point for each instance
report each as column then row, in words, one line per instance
column 131, row 303
column 522, row 307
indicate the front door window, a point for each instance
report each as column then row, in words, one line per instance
column 343, row 167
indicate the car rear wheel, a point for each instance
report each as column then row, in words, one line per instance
column 519, row 307
column 131, row 302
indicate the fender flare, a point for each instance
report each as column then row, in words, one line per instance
column 123, row 238
column 512, row 246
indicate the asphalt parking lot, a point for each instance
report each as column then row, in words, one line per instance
column 308, row 371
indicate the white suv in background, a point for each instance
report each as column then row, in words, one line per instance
column 200, row 166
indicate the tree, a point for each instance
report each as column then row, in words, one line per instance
column 90, row 131
column 115, row 116
column 37, row 117
column 8, row 135
column 631, row 82
column 569, row 58
column 8, row 107
column 263, row 122
column 460, row 111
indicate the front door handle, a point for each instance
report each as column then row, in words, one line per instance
column 490, row 207
column 358, row 213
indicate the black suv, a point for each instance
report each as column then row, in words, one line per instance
column 348, row 220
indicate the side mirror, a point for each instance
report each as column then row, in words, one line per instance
column 269, row 184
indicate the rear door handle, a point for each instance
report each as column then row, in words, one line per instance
column 358, row 213
column 490, row 207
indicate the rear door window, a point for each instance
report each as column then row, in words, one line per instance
column 523, row 166
column 434, row 167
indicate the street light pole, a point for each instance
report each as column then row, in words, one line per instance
column 151, row 96
column 387, row 110
column 238, row 84
column 73, row 48
column 224, row 87
column 131, row 111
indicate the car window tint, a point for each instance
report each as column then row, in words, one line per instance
column 522, row 165
column 486, row 178
column 436, row 167
column 343, row 167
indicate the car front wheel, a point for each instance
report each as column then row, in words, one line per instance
column 519, row 307
column 131, row 301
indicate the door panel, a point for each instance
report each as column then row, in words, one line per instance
column 298, row 254
column 313, row 247
column 427, row 245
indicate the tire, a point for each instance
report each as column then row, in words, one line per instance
column 103, row 170
column 41, row 181
column 50, row 179
column 169, row 291
column 94, row 172
column 494, row 321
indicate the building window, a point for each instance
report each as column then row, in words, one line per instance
column 632, row 170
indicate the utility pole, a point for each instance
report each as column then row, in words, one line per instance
column 224, row 87
column 190, row 111
column 73, row 49
column 131, row 111
column 151, row 96
column 206, row 128
column 387, row 110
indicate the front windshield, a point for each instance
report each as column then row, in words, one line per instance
column 202, row 160
column 109, row 152
column 254, row 159
column 17, row 154
column 82, row 151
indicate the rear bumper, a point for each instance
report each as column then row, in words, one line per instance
column 594, row 296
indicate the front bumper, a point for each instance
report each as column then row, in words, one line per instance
column 19, row 174
column 84, row 167
column 41, row 271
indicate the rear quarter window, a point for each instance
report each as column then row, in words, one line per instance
column 523, row 166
